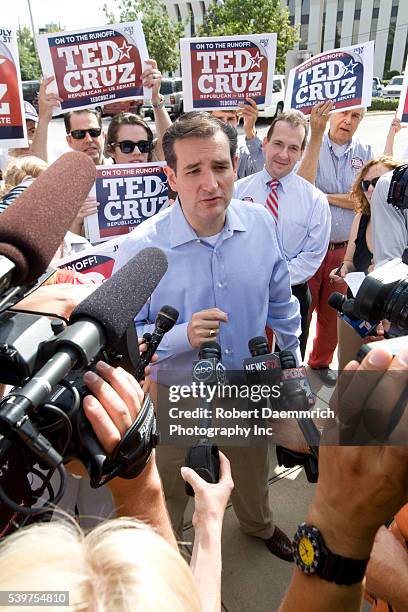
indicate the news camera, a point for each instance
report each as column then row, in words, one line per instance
column 397, row 193
column 42, row 424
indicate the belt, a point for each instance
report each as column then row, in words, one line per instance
column 337, row 245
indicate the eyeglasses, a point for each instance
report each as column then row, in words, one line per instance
column 128, row 146
column 80, row 134
column 366, row 184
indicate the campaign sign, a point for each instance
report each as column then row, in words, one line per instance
column 96, row 262
column 402, row 111
column 95, row 66
column 344, row 76
column 220, row 72
column 13, row 131
column 127, row 195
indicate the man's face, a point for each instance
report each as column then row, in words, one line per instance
column 89, row 145
column 31, row 127
column 284, row 149
column 344, row 124
column 204, row 181
column 230, row 117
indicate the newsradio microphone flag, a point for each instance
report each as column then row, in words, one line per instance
column 34, row 225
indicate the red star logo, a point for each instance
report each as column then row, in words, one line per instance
column 125, row 50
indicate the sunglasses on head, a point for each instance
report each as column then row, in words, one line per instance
column 80, row 134
column 366, row 184
column 128, row 146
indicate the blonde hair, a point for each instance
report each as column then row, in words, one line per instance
column 21, row 168
column 361, row 204
column 120, row 566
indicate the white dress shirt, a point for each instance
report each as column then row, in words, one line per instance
column 303, row 219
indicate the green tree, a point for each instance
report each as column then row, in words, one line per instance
column 161, row 32
column 252, row 17
column 29, row 63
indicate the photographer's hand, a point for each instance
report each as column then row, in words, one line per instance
column 116, row 402
column 210, row 502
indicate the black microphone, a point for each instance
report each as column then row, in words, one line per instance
column 165, row 321
column 34, row 225
column 294, row 394
column 100, row 321
column 263, row 367
column 208, row 370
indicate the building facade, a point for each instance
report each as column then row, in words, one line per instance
column 326, row 24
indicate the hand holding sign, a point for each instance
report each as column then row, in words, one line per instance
column 249, row 111
column 319, row 117
column 152, row 77
column 47, row 101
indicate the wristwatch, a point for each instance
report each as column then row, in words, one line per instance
column 160, row 104
column 313, row 557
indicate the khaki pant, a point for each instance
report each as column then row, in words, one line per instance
column 250, row 497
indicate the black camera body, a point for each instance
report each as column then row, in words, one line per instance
column 398, row 191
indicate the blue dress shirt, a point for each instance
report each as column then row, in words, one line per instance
column 337, row 175
column 244, row 274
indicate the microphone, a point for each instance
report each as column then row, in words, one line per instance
column 262, row 367
column 204, row 457
column 34, row 225
column 101, row 320
column 345, row 308
column 165, row 321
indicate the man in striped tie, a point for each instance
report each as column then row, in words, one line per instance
column 300, row 210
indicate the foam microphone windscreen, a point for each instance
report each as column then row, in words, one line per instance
column 115, row 303
column 34, row 225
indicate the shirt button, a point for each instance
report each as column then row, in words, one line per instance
column 220, row 285
column 198, row 240
column 228, row 351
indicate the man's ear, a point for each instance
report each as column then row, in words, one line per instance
column 264, row 143
column 171, row 178
column 235, row 163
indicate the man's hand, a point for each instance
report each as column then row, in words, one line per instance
column 205, row 325
column 396, row 126
column 89, row 207
column 250, row 114
column 361, row 487
column 210, row 500
column 151, row 78
column 47, row 101
column 60, row 300
column 387, row 570
column 318, row 118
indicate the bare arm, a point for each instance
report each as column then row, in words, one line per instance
column 210, row 503
column 342, row 200
column 318, row 122
column 355, row 494
column 395, row 127
column 46, row 102
column 152, row 78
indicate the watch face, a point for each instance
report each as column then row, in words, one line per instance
column 306, row 549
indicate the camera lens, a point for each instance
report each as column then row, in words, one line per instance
column 396, row 306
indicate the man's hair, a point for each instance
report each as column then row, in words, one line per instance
column 295, row 119
column 196, row 124
column 120, row 565
column 90, row 111
column 125, row 119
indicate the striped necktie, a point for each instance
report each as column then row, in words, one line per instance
column 272, row 199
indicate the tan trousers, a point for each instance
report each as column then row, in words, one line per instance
column 250, row 497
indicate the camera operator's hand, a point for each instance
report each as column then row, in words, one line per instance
column 210, row 500
column 60, row 300
column 210, row 503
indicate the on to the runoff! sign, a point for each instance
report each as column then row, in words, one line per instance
column 127, row 195
column 96, row 262
column 344, row 76
column 402, row 112
column 95, row 66
column 220, row 72
column 13, row 131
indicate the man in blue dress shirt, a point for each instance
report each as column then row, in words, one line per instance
column 228, row 278
column 301, row 213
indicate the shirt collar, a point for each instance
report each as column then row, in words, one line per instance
column 330, row 144
column 284, row 181
column 181, row 231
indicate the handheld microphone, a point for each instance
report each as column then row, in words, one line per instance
column 165, row 321
column 345, row 308
column 262, row 367
column 204, row 457
column 34, row 225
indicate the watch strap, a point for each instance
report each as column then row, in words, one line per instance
column 342, row 570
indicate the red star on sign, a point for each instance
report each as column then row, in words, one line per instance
column 125, row 50
column 256, row 60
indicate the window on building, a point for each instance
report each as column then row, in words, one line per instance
column 391, row 35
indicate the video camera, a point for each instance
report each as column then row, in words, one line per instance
column 398, row 193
